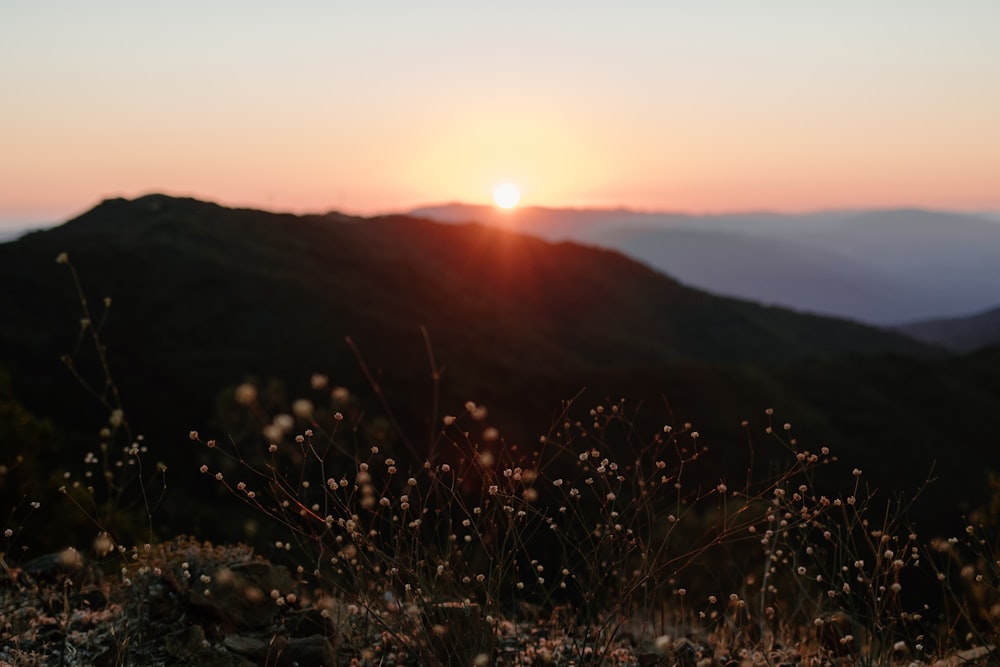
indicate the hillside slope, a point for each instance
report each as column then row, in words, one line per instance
column 206, row 297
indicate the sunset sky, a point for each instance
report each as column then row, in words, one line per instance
column 700, row 106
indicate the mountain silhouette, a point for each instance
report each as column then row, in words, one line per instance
column 204, row 297
column 958, row 333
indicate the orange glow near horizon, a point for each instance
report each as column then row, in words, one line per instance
column 658, row 108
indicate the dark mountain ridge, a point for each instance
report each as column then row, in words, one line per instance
column 205, row 297
column 958, row 333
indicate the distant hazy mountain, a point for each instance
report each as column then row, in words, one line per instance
column 13, row 234
column 959, row 333
column 880, row 267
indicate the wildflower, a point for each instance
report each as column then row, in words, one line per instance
column 62, row 258
column 245, row 394
column 203, row 469
column 193, row 435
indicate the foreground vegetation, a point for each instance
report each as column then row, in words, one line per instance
column 577, row 550
column 602, row 542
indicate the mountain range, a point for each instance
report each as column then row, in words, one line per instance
column 882, row 267
column 204, row 298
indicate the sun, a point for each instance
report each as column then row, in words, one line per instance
column 507, row 195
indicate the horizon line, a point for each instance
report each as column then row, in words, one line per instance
column 11, row 226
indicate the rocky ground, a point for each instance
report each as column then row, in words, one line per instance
column 186, row 603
